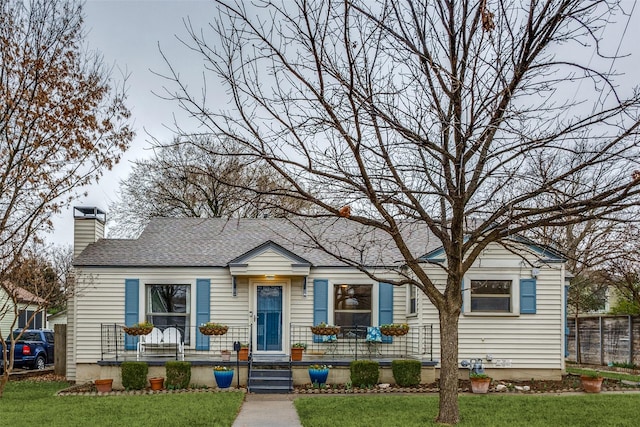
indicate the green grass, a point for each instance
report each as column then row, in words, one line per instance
column 605, row 374
column 28, row 403
column 486, row 410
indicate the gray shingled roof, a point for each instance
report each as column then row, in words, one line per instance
column 214, row 242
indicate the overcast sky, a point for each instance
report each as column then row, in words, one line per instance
column 128, row 33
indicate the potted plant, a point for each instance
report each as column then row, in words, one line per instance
column 323, row 329
column 318, row 374
column 296, row 351
column 140, row 328
column 223, row 376
column 394, row 329
column 243, row 354
column 157, row 383
column 104, row 385
column 226, row 355
column 479, row 383
column 211, row 328
column 592, row 382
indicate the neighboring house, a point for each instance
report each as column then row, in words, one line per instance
column 27, row 304
column 267, row 280
column 59, row 318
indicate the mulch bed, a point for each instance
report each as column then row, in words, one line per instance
column 569, row 383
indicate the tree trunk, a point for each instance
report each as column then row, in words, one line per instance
column 449, row 412
column 4, row 379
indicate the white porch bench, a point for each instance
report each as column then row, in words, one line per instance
column 159, row 343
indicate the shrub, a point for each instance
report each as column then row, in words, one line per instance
column 178, row 374
column 134, row 375
column 406, row 373
column 627, row 365
column 364, row 373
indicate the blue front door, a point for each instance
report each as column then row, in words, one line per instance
column 269, row 319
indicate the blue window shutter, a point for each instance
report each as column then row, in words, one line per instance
column 385, row 307
column 131, row 309
column 527, row 296
column 320, row 303
column 203, row 311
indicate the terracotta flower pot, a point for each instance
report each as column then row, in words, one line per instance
column 243, row 354
column 296, row 354
column 480, row 385
column 104, row 385
column 156, row 383
column 591, row 384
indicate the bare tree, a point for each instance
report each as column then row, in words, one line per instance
column 24, row 293
column 622, row 275
column 196, row 177
column 433, row 112
column 60, row 260
column 62, row 121
column 590, row 247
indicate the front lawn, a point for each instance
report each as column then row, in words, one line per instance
column 27, row 403
column 492, row 410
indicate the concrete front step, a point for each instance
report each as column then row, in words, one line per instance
column 271, row 389
column 270, row 381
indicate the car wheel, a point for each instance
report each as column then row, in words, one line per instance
column 39, row 363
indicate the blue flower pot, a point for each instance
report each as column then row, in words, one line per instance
column 223, row 378
column 318, row 375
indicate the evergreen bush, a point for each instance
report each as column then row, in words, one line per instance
column 364, row 373
column 178, row 374
column 406, row 373
column 134, row 375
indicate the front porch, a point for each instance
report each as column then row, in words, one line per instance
column 351, row 343
column 204, row 352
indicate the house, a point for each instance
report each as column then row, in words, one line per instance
column 268, row 281
column 17, row 307
column 59, row 318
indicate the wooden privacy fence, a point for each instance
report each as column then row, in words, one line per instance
column 604, row 339
column 60, row 350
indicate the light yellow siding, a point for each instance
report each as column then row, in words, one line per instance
column 524, row 341
column 85, row 232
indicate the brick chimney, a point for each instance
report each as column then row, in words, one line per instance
column 88, row 227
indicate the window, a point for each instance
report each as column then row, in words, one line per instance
column 168, row 305
column 352, row 305
column 35, row 323
column 413, row 299
column 491, row 296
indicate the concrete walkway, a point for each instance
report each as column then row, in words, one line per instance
column 268, row 410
